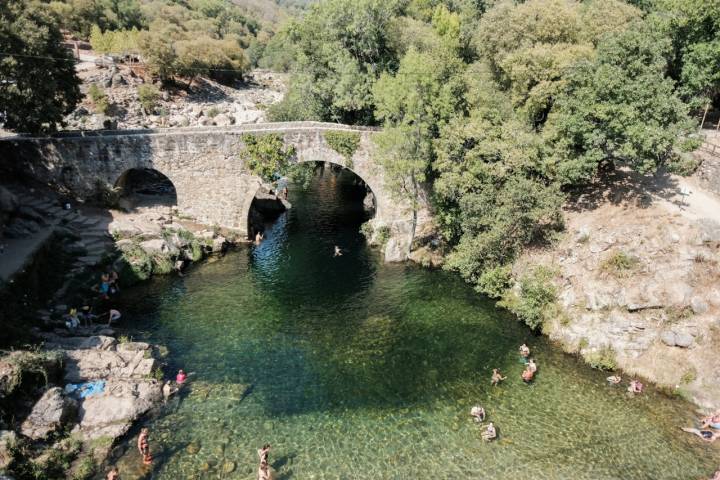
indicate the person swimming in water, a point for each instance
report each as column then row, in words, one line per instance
column 478, row 413
column 636, row 387
column 181, row 377
column 524, row 351
column 532, row 366
column 496, row 377
column 490, row 433
column 259, row 238
column 711, row 421
column 707, row 435
column 338, row 252
column 144, row 446
column 527, row 374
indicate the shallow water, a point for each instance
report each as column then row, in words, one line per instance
column 360, row 370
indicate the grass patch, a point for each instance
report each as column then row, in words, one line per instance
column 620, row 263
column 689, row 376
column 603, row 359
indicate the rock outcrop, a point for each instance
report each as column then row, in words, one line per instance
column 52, row 412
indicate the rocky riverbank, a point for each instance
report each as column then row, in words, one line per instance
column 635, row 282
column 66, row 402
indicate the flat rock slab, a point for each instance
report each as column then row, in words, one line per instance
column 49, row 414
column 111, row 414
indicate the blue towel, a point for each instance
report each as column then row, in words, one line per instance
column 87, row 389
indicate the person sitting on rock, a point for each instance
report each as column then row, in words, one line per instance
column 478, row 413
column 113, row 279
column 496, row 377
column 71, row 319
column 490, row 433
column 614, row 379
column 113, row 316
column 87, row 315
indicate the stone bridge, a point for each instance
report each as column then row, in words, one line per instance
column 213, row 184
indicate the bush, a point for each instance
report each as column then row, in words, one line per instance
column 99, row 99
column 267, row 156
column 537, row 294
column 301, row 174
column 345, row 143
column 212, row 112
column 195, row 250
column 162, row 264
column 495, row 282
column 148, row 96
column 620, row 263
column 603, row 359
column 137, row 265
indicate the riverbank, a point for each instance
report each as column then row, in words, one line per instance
column 69, row 399
column 634, row 281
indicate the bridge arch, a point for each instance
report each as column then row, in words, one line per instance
column 213, row 184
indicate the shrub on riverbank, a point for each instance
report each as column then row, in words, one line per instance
column 534, row 298
column 602, row 359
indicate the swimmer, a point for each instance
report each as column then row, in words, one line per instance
column 614, row 379
column 524, row 351
column 264, row 452
column 532, row 366
column 259, row 238
column 707, row 435
column 635, row 387
column 181, row 377
column 338, row 252
column 527, row 374
column 490, row 433
column 711, row 421
column 144, row 446
column 496, row 377
column 478, row 413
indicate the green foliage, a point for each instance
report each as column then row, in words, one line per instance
column 162, row 264
column 689, row 376
column 495, row 281
column 603, row 359
column 99, row 98
column 148, row 95
column 340, row 47
column 536, row 296
column 137, row 265
column 195, row 250
column 301, row 174
column 157, row 374
column 85, row 468
column 617, row 107
column 267, row 156
column 118, row 42
column 620, row 263
column 345, row 143
column 38, row 90
column 213, row 112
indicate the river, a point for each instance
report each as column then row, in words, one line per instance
column 355, row 369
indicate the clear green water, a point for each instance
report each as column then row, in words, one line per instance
column 361, row 370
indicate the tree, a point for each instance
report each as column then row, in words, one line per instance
column 39, row 86
column 341, row 48
column 425, row 94
column 618, row 107
column 267, row 156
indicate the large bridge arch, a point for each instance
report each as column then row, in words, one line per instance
column 213, row 185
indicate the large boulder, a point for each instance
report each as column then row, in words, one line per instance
column 49, row 414
column 156, row 245
column 223, row 120
column 111, row 413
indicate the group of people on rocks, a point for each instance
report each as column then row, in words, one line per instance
column 106, row 288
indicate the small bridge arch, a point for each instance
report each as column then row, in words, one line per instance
column 213, row 185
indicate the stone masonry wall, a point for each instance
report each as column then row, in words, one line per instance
column 212, row 182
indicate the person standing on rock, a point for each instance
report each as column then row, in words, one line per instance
column 144, row 446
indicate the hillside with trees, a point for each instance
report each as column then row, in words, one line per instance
column 500, row 108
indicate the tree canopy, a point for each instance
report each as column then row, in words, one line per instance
column 38, row 85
